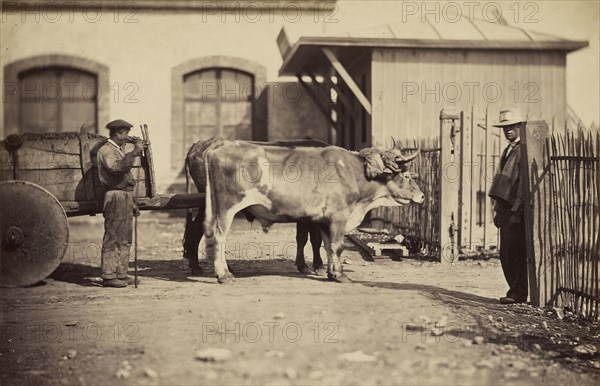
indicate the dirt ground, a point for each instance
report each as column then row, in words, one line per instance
column 400, row 321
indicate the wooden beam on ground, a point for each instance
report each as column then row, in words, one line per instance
column 362, row 245
column 337, row 65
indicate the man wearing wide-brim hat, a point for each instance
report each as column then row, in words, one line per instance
column 508, row 196
column 114, row 172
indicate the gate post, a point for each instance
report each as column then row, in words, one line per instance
column 465, row 199
column 450, row 125
column 533, row 138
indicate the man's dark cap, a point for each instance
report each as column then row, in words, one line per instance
column 118, row 124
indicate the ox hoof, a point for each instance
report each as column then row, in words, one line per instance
column 229, row 279
column 339, row 277
column 320, row 271
column 306, row 271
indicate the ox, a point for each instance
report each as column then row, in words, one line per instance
column 328, row 186
column 194, row 228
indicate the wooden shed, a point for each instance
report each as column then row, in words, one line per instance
column 398, row 80
column 393, row 79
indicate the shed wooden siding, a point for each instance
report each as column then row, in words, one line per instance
column 397, row 113
column 350, row 125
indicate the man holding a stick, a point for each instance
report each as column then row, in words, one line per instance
column 114, row 172
column 507, row 193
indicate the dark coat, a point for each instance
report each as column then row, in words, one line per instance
column 506, row 189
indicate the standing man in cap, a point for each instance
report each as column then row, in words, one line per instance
column 114, row 171
column 508, row 196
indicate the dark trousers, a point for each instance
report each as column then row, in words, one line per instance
column 118, row 229
column 513, row 256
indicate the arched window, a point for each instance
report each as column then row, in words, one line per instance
column 216, row 96
column 55, row 99
column 218, row 102
column 53, row 93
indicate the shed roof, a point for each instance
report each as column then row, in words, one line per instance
column 460, row 33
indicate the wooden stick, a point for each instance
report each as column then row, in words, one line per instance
column 558, row 226
column 584, row 200
column 135, row 258
column 555, row 277
column 595, row 181
column 566, row 195
column 587, row 211
column 592, row 219
column 573, row 227
column 577, row 225
column 561, row 269
column 593, row 201
column 567, row 208
column 595, row 229
column 544, row 222
column 149, row 159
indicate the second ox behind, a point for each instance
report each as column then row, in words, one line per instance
column 328, row 186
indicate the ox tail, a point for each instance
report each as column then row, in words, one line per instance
column 208, row 207
column 188, row 188
column 189, row 216
column 211, row 204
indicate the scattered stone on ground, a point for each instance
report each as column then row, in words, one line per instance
column 213, row 355
column 357, row 356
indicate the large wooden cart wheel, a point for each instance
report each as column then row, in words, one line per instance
column 34, row 233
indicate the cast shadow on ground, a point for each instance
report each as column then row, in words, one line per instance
column 173, row 270
column 524, row 321
column 433, row 291
column 80, row 274
column 89, row 276
column 258, row 268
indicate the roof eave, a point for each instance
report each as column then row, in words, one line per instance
column 562, row 45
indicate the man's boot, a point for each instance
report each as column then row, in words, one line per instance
column 114, row 283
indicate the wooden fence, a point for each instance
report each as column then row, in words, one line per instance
column 564, row 218
column 420, row 222
column 455, row 171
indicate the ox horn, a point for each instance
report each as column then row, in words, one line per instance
column 393, row 142
column 404, row 159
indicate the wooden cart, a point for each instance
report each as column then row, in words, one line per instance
column 46, row 178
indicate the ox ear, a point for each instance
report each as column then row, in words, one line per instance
column 374, row 165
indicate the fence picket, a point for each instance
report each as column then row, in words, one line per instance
column 571, row 244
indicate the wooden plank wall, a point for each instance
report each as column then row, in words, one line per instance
column 411, row 86
column 352, row 119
